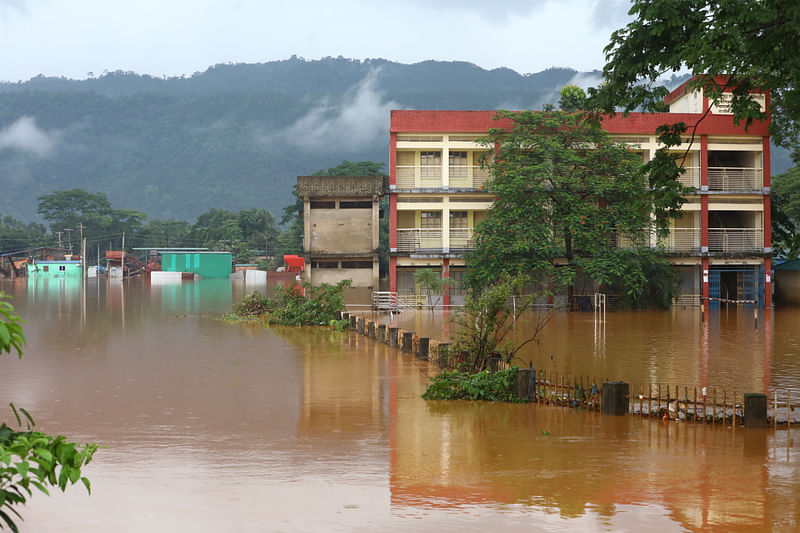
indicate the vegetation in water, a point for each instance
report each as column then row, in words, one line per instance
column 483, row 385
column 300, row 305
column 31, row 459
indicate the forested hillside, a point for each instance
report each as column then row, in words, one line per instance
column 234, row 136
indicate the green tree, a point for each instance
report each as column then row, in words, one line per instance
column 742, row 40
column 67, row 209
column 566, row 197
column 258, row 227
column 786, row 214
column 15, row 235
column 353, row 168
column 31, row 459
column 573, row 98
column 433, row 284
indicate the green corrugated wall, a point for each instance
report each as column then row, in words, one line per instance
column 216, row 265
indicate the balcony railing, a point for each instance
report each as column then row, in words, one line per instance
column 691, row 178
column 419, row 239
column 735, row 179
column 462, row 239
column 723, row 240
column 421, row 176
column 681, row 240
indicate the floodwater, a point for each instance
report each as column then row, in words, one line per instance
column 214, row 426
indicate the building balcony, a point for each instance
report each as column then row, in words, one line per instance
column 735, row 240
column 681, row 240
column 690, row 178
column 430, row 177
column 425, row 240
column 735, row 179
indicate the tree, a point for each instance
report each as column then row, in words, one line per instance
column 353, row 168
column 786, row 214
column 573, row 98
column 32, row 459
column 569, row 200
column 433, row 283
column 725, row 44
column 66, row 209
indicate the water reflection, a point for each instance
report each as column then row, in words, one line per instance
column 215, row 426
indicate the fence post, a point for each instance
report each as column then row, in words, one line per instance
column 371, row 329
column 393, row 336
column 615, row 398
column 755, row 410
column 424, row 348
column 522, row 383
column 408, row 337
column 362, row 322
column 444, row 351
column 353, row 322
column 382, row 333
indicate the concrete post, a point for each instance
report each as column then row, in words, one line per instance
column 393, row 337
column 493, row 364
column 444, row 349
column 408, row 337
column 615, row 398
column 362, row 322
column 382, row 333
column 523, row 380
column 371, row 329
column 345, row 316
column 353, row 322
column 755, row 410
column 424, row 348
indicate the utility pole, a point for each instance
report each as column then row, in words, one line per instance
column 123, row 254
column 80, row 228
column 83, row 257
column 59, row 237
column 69, row 238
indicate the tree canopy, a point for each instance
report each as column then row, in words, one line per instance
column 786, row 214
column 741, row 45
column 568, row 199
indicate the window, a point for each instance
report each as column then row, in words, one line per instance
column 458, row 219
column 430, row 164
column 431, row 219
column 458, row 164
column 323, row 205
column 45, row 268
column 356, row 264
column 325, row 264
column 62, row 268
column 364, row 204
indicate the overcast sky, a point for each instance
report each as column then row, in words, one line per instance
column 172, row 37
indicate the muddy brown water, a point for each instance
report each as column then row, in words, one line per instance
column 213, row 426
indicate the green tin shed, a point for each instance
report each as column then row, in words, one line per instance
column 204, row 264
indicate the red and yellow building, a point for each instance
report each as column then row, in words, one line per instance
column 721, row 245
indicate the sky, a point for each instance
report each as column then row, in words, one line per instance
column 73, row 38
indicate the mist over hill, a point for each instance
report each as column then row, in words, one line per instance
column 235, row 136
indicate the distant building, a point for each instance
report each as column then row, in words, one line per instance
column 206, row 264
column 341, row 219
column 721, row 247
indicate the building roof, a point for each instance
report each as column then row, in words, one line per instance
column 342, row 186
column 789, row 265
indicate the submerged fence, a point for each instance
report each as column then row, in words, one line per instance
column 696, row 404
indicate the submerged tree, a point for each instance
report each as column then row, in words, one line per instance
column 569, row 199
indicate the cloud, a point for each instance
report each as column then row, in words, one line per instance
column 361, row 117
column 24, row 135
column 611, row 14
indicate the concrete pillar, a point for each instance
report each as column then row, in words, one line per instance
column 382, row 333
column 371, row 329
column 615, row 398
column 755, row 410
column 345, row 316
column 362, row 323
column 523, row 381
column 353, row 322
column 493, row 364
column 444, row 350
column 393, row 337
column 407, row 340
column 424, row 348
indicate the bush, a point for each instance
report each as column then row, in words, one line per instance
column 302, row 305
column 483, row 385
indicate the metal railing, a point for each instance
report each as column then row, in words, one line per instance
column 735, row 240
column 423, row 176
column 462, row 239
column 682, row 240
column 735, row 179
column 416, row 239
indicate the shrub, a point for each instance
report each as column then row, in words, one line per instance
column 483, row 385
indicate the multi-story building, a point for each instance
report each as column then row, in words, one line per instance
column 341, row 230
column 721, row 245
